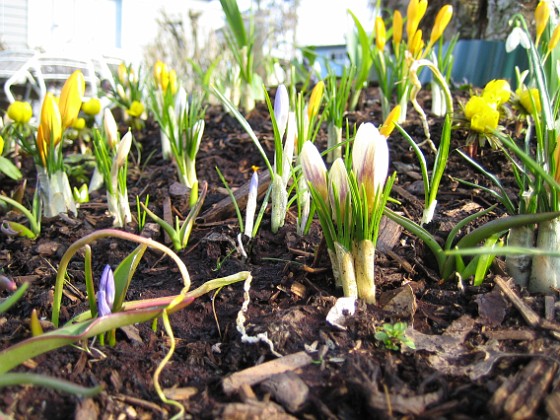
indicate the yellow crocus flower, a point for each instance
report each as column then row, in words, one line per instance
column 416, row 44
column 554, row 39
column 1, row 145
column 71, row 96
column 20, row 112
column 122, row 73
column 414, row 14
column 92, row 106
column 389, row 124
column 136, row 109
column 315, row 99
column 442, row 20
column 49, row 132
column 542, row 14
column 380, row 34
column 159, row 68
column 397, row 27
column 173, row 81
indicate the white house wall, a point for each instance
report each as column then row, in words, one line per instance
column 13, row 23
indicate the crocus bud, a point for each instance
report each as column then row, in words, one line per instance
column 529, row 99
column 339, row 188
column 7, row 284
column 122, row 73
column 380, row 34
column 71, row 97
column 389, row 124
column 20, row 112
column 442, row 20
column 315, row 99
column 414, row 14
column 397, row 27
column 50, row 127
column 281, row 108
column 370, row 160
column 106, row 293
column 1, row 145
column 314, row 169
column 159, row 68
column 416, row 44
column 542, row 14
column 553, row 41
column 251, row 202
column 92, row 106
column 110, row 128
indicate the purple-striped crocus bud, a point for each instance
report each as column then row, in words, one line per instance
column 314, row 169
column 339, row 187
column 370, row 160
column 7, row 283
column 106, row 293
column 281, row 109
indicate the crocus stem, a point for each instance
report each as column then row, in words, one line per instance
column 364, row 264
column 545, row 273
column 519, row 266
column 346, row 270
column 334, row 139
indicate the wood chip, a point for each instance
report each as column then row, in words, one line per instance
column 259, row 373
column 520, row 396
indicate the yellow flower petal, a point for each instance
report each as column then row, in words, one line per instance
column 315, row 99
column 71, row 97
column 442, row 20
column 50, row 128
column 92, row 106
column 542, row 14
column 20, row 112
column 380, row 33
column 397, row 27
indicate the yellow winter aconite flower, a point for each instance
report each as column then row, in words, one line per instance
column 497, row 91
column 397, row 27
column 442, row 20
column 380, row 34
column 529, row 99
column 475, row 105
column 542, row 14
column 486, row 120
column 315, row 99
column 92, row 106
column 71, row 96
column 136, row 109
column 20, row 112
column 79, row 124
column 49, row 132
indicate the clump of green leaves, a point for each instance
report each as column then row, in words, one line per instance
column 393, row 336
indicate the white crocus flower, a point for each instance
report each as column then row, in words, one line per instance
column 281, row 109
column 339, row 187
column 370, row 160
column 314, row 169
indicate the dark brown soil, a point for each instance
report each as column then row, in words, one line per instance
column 470, row 340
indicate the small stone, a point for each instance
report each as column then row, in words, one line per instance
column 288, row 389
column 178, row 190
